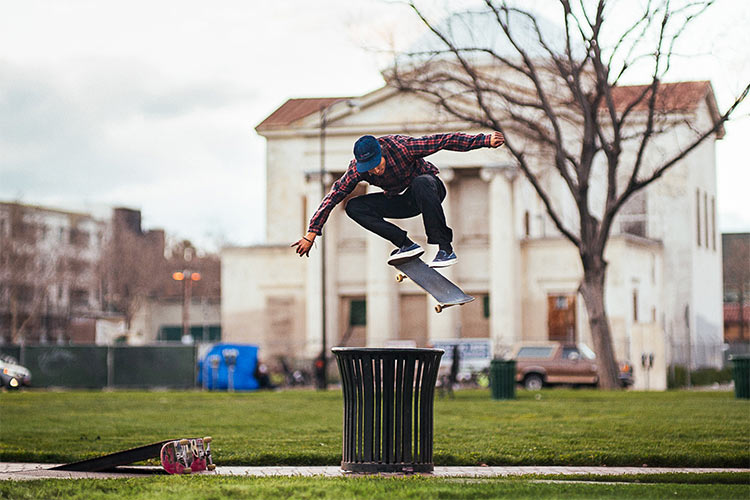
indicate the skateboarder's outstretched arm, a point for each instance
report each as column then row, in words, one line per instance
column 429, row 144
column 340, row 189
column 304, row 244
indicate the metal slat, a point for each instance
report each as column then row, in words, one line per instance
column 398, row 417
column 378, row 406
column 408, row 404
column 388, row 410
column 369, row 402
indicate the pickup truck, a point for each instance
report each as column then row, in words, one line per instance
column 549, row 363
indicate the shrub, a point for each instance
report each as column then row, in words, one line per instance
column 677, row 376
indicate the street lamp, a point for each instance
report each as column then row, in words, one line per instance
column 321, row 363
column 187, row 278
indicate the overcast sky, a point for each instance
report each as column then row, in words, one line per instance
column 152, row 104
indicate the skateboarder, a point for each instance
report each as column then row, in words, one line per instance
column 410, row 184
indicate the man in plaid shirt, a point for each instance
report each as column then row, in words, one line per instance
column 410, row 186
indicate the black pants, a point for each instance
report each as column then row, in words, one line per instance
column 424, row 196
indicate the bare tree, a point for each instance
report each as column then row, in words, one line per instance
column 26, row 274
column 132, row 268
column 556, row 93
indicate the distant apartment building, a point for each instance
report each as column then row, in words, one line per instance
column 72, row 277
column 50, row 275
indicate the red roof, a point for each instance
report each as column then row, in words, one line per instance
column 732, row 313
column 680, row 96
column 294, row 109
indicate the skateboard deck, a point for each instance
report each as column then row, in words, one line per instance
column 112, row 461
column 431, row 281
column 184, row 456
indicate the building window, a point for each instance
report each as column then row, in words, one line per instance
column 698, row 214
column 79, row 237
column 635, row 306
column 358, row 312
column 79, row 298
column 526, row 224
column 705, row 216
column 304, row 214
column 486, row 304
column 713, row 223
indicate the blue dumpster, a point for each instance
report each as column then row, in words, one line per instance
column 229, row 367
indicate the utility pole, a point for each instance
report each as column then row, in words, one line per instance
column 321, row 363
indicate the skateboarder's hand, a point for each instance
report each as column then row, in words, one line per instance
column 497, row 139
column 304, row 244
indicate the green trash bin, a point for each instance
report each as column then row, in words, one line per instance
column 741, row 375
column 503, row 378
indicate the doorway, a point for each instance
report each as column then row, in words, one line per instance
column 561, row 317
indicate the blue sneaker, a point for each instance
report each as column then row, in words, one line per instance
column 443, row 259
column 405, row 254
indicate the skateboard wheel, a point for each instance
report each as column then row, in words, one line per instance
column 207, row 439
column 400, row 277
column 438, row 308
column 211, row 467
column 183, row 442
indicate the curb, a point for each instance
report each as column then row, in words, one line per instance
column 31, row 471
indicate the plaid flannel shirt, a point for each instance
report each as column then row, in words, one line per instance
column 403, row 162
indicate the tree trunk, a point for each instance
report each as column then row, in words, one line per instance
column 592, row 290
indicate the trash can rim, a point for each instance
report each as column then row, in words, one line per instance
column 380, row 350
column 734, row 357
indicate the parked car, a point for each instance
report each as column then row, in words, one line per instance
column 549, row 363
column 12, row 374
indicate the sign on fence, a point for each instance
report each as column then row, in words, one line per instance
column 476, row 354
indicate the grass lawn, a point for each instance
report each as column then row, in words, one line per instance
column 303, row 427
column 214, row 487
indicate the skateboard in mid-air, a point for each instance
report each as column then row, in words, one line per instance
column 431, row 281
column 184, row 456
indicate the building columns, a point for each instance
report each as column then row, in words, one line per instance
column 505, row 260
column 447, row 324
column 382, row 296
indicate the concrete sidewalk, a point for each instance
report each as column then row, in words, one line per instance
column 27, row 471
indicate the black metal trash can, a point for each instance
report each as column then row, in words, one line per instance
column 741, row 375
column 503, row 379
column 388, row 408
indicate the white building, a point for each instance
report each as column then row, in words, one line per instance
column 663, row 291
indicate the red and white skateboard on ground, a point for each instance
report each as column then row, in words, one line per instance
column 184, row 456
